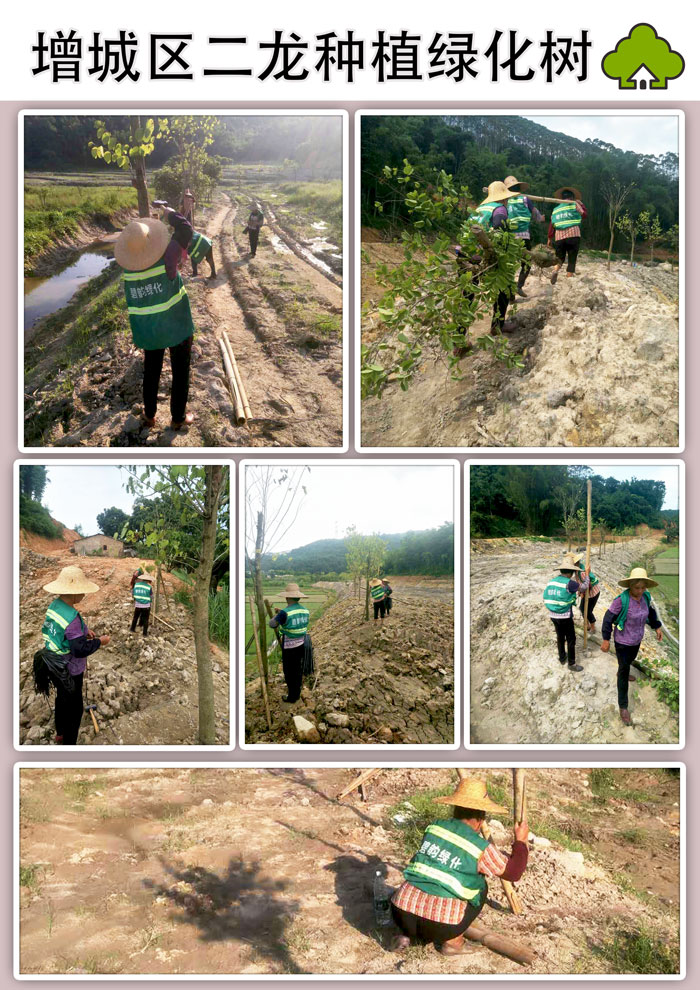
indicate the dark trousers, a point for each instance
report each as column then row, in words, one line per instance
column 253, row 236
column 379, row 608
column 566, row 638
column 625, row 656
column 141, row 617
column 209, row 256
column 180, row 367
column 525, row 266
column 387, row 604
column 592, row 602
column 432, row 931
column 567, row 250
column 293, row 670
column 68, row 711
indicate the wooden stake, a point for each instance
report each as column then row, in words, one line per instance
column 258, row 653
column 238, row 410
column 499, row 943
column 358, row 781
column 588, row 564
column 519, row 799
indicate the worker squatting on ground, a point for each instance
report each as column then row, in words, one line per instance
column 142, row 593
column 252, row 228
column 559, row 597
column 629, row 614
column 198, row 247
column 521, row 213
column 445, row 884
column 67, row 644
column 293, row 623
column 388, row 591
column 378, row 595
column 565, row 231
column 159, row 312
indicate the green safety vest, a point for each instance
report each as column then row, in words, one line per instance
column 377, row 593
column 297, row 624
column 446, row 865
column 565, row 215
column 59, row 616
column 518, row 214
column 557, row 597
column 625, row 599
column 158, row 307
column 143, row 593
column 198, row 248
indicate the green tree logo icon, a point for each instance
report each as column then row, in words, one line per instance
column 642, row 60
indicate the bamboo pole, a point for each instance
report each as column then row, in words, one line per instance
column 258, row 654
column 589, row 487
column 536, row 199
column 237, row 375
column 358, row 781
column 519, row 798
column 238, row 410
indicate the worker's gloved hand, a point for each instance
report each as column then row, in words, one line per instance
column 659, row 634
column 605, row 646
column 521, row 831
column 104, row 640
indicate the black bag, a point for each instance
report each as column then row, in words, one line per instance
column 307, row 664
column 50, row 668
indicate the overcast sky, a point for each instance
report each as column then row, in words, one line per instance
column 645, row 135
column 623, row 472
column 75, row 494
column 374, row 498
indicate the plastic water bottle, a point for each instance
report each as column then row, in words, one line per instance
column 382, row 901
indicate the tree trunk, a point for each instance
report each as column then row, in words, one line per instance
column 367, row 592
column 205, row 680
column 610, row 245
column 632, row 252
column 259, row 594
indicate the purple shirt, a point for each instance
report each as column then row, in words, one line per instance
column 80, row 646
column 637, row 616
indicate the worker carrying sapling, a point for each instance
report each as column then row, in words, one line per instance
column 142, row 594
column 521, row 213
column 445, row 884
column 293, row 623
column 565, row 231
column 559, row 597
column 628, row 615
column 68, row 642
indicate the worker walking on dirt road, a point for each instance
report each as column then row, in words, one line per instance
column 159, row 313
column 565, row 231
column 559, row 597
column 378, row 596
column 293, row 623
column 388, row 591
column 68, row 642
column 492, row 214
column 628, row 615
column 252, row 228
column 521, row 213
column 142, row 593
column 445, row 884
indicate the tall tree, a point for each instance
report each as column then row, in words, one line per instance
column 128, row 149
column 112, row 521
column 614, row 194
column 33, row 479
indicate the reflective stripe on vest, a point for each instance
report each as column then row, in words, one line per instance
column 198, row 248
column 518, row 213
column 59, row 616
column 484, row 213
column 565, row 215
column 556, row 595
column 447, row 879
column 377, row 593
column 159, row 307
column 297, row 624
column 456, row 840
column 143, row 592
column 447, row 863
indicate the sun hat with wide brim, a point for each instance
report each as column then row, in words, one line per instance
column 146, row 577
column 497, row 192
column 569, row 563
column 374, row 582
column 141, row 244
column 71, row 581
column 471, row 793
column 638, row 574
column 294, row 591
column 559, row 194
column 510, row 182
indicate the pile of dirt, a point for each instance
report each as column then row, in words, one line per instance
column 390, row 682
column 601, row 369
column 34, row 541
column 145, row 688
column 520, row 693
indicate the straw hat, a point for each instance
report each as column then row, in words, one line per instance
column 638, row 574
column 511, row 181
column 497, row 192
column 141, row 244
column 294, row 591
column 146, row 577
column 374, row 582
column 471, row 794
column 71, row 581
column 559, row 194
column 569, row 563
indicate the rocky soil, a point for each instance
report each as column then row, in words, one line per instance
column 601, row 370
column 263, row 871
column 392, row 682
column 145, row 688
column 519, row 691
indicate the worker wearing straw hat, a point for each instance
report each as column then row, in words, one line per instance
column 628, row 615
column 565, row 230
column 388, row 591
column 67, row 644
column 593, row 595
column 159, row 313
column 559, row 597
column 492, row 214
column 521, row 213
column 142, row 593
column 445, row 884
column 293, row 623
column 378, row 595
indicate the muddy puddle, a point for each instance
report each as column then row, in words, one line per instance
column 43, row 296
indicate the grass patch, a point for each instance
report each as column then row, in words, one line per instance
column 219, row 613
column 637, row 950
column 632, row 836
column 29, row 875
column 79, row 789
